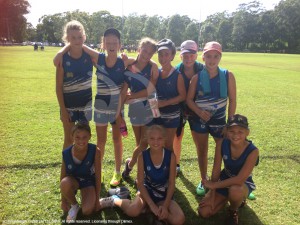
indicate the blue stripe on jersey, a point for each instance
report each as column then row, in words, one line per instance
column 233, row 167
column 109, row 79
column 156, row 180
column 166, row 89
column 77, row 82
column 212, row 102
column 86, row 169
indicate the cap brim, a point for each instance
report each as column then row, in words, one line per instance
column 162, row 48
column 237, row 124
column 213, row 49
column 188, row 51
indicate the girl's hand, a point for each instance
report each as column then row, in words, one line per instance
column 163, row 213
column 58, row 59
column 65, row 116
column 124, row 57
column 204, row 115
column 154, row 209
column 208, row 184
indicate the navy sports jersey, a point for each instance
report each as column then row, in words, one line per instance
column 212, row 102
column 233, row 166
column 85, row 171
column 166, row 89
column 139, row 109
column 156, row 180
column 77, row 82
column 197, row 68
column 109, row 83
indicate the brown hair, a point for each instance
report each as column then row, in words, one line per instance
column 148, row 41
column 158, row 128
column 81, row 126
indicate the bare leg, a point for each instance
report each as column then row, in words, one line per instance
column 118, row 146
column 68, row 187
column 68, row 140
column 177, row 145
column 88, row 199
column 201, row 142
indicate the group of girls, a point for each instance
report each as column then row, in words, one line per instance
column 190, row 92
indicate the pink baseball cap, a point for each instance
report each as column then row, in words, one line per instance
column 188, row 46
column 213, row 45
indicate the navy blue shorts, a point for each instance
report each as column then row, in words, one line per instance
column 214, row 126
column 167, row 123
column 83, row 183
column 80, row 116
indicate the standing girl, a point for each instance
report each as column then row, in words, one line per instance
column 207, row 97
column 74, row 81
column 141, row 81
column 170, row 91
column 80, row 167
column 234, row 183
column 156, row 182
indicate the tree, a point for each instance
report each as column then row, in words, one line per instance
column 150, row 28
column 12, row 20
column 176, row 27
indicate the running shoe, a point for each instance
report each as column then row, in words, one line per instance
column 72, row 214
column 116, row 180
column 251, row 196
column 121, row 192
column 200, row 190
column 108, row 202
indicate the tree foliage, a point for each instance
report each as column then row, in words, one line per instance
column 250, row 27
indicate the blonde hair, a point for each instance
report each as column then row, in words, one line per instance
column 147, row 41
column 72, row 25
column 155, row 128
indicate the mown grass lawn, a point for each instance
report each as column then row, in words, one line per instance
column 31, row 138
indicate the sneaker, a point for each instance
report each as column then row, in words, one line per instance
column 200, row 190
column 72, row 214
column 108, row 202
column 251, row 196
column 233, row 218
column 121, row 192
column 127, row 170
column 116, row 180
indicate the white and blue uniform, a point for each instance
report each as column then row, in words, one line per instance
column 77, row 86
column 213, row 102
column 156, row 179
column 84, row 172
column 139, row 109
column 232, row 167
column 166, row 89
column 186, row 112
column 109, row 84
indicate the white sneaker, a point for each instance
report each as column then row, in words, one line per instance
column 108, row 202
column 72, row 214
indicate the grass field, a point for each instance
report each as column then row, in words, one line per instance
column 32, row 135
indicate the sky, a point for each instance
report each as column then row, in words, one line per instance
column 194, row 9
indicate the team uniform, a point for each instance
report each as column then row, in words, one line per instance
column 232, row 167
column 166, row 89
column 109, row 83
column 214, row 101
column 185, row 111
column 156, row 178
column 139, row 110
column 77, row 87
column 84, row 171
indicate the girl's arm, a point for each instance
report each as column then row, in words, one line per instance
column 57, row 61
column 164, row 209
column 127, row 60
column 97, row 177
column 65, row 117
column 191, row 103
column 92, row 53
column 140, row 183
column 231, row 94
column 179, row 98
column 241, row 177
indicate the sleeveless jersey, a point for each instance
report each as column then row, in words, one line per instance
column 166, row 89
column 77, row 82
column 156, row 180
column 83, row 171
column 232, row 167
column 109, row 83
column 212, row 102
column 138, row 82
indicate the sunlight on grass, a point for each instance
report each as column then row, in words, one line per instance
column 31, row 139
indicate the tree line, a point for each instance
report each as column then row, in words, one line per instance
column 249, row 28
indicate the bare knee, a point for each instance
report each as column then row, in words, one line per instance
column 179, row 220
column 204, row 212
column 87, row 210
column 67, row 184
column 236, row 193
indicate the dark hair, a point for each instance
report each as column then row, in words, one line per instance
column 112, row 31
column 81, row 126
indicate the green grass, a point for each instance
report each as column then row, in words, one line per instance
column 32, row 135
